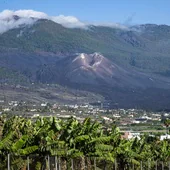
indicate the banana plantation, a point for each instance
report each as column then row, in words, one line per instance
column 55, row 144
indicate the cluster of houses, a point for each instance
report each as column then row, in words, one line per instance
column 97, row 111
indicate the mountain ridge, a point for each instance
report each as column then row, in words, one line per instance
column 47, row 52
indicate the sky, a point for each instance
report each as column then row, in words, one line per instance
column 99, row 11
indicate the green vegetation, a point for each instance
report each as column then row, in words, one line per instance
column 146, row 50
column 167, row 124
column 70, row 139
column 9, row 76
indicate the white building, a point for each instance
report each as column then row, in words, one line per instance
column 162, row 137
column 131, row 135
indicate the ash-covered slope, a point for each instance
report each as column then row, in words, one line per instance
column 123, row 87
column 96, row 70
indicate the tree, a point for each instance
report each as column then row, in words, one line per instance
column 167, row 124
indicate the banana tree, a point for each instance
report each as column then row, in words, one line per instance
column 167, row 124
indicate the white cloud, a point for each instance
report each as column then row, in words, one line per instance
column 30, row 13
column 68, row 21
column 9, row 20
column 112, row 25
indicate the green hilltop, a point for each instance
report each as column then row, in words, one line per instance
column 145, row 48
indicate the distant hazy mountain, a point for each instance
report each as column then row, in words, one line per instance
column 130, row 67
